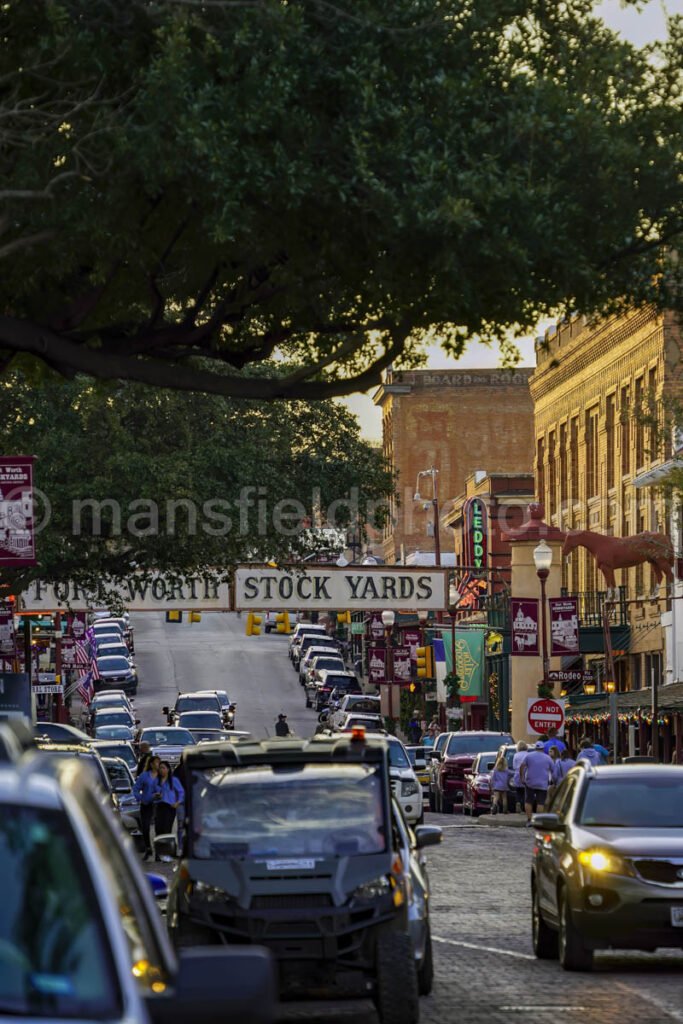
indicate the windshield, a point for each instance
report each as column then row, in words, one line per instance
column 55, row 958
column 167, row 737
column 634, row 802
column 195, row 720
column 113, row 718
column 397, row 755
column 114, row 732
column 113, row 650
column 197, row 704
column 472, row 743
column 113, row 664
column 311, row 810
column 416, row 755
column 122, row 750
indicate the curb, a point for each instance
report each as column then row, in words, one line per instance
column 503, row 820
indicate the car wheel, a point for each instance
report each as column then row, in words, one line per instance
column 572, row 952
column 396, row 994
column 425, row 972
column 543, row 938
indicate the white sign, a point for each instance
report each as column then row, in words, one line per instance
column 355, row 589
column 55, row 688
column 138, row 593
column 545, row 713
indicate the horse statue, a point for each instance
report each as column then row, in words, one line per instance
column 612, row 553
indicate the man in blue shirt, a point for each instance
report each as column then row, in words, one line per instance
column 147, row 791
column 554, row 741
column 587, row 752
column 536, row 773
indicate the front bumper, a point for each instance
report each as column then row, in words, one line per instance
column 452, row 788
column 633, row 915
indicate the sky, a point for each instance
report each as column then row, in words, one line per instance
column 639, row 27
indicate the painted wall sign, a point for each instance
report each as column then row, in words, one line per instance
column 17, row 538
column 157, row 592
column 317, row 587
column 476, row 533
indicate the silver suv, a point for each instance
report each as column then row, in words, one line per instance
column 80, row 935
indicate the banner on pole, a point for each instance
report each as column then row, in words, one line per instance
column 7, row 637
column 377, row 663
column 17, row 535
column 564, row 626
column 402, row 665
column 524, row 612
column 469, row 663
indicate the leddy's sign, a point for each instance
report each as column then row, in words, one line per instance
column 325, row 587
column 138, row 593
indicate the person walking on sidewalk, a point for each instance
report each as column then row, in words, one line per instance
column 588, row 753
column 172, row 796
column 562, row 766
column 554, row 741
column 517, row 761
column 536, row 773
column 146, row 789
column 500, row 785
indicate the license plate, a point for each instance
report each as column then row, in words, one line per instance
column 677, row 917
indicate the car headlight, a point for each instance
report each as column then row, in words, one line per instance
column 409, row 787
column 372, row 890
column 208, row 892
column 604, row 862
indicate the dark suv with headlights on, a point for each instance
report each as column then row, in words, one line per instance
column 295, row 847
column 607, row 867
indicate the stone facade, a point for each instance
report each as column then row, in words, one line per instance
column 458, row 422
column 599, row 394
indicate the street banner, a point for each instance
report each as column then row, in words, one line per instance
column 524, row 613
column 357, row 588
column 68, row 652
column 7, row 637
column 412, row 638
column 402, row 664
column 564, row 626
column 377, row 662
column 139, row 592
column 76, row 625
column 544, row 713
column 469, row 663
column 17, row 538
column 376, row 627
column 440, row 673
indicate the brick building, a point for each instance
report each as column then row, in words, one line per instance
column 598, row 393
column 457, row 421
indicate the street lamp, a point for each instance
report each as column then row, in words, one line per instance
column 388, row 619
column 543, row 559
column 589, row 687
column 433, row 473
column 609, row 686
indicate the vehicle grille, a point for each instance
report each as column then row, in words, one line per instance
column 291, row 901
column 665, row 872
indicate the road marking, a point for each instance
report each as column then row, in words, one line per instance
column 553, row 1008
column 484, row 949
column 666, row 1008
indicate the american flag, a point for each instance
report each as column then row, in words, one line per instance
column 81, row 656
column 86, row 687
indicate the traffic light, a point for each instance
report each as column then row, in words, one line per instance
column 282, row 622
column 425, row 662
column 175, row 615
column 254, row 624
column 195, row 616
column 344, row 618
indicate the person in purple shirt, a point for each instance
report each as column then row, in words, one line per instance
column 554, row 741
column 536, row 773
column 562, row 766
column 587, row 752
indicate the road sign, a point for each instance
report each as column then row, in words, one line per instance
column 545, row 713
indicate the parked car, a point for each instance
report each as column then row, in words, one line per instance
column 606, row 869
column 455, row 760
column 200, row 720
column 59, row 732
column 299, row 652
column 350, row 883
column 205, row 700
column 331, row 661
column 477, row 795
column 228, row 707
column 344, row 682
column 116, row 715
column 355, row 701
column 114, row 650
column 83, row 939
column 414, row 866
column 86, row 755
column 418, row 759
column 125, row 733
column 405, row 786
column 117, row 748
column 434, row 765
column 115, row 669
column 317, row 647
column 110, row 699
column 371, row 723
column 300, row 630
column 167, row 742
column 122, row 782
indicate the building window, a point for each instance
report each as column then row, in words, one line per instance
column 639, row 427
column 563, row 465
column 625, row 426
column 652, row 410
column 610, row 416
column 552, row 474
column 540, row 469
column 640, row 574
column 591, row 452
column 636, row 672
column 574, row 446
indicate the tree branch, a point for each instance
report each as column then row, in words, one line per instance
column 23, row 243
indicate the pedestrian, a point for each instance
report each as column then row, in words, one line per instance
column 171, row 796
column 180, row 773
column 414, row 731
column 602, row 751
column 500, row 784
column 281, row 726
column 517, row 761
column 554, row 741
column 146, row 790
column 554, row 755
column 587, row 752
column 535, row 773
column 563, row 765
column 145, row 755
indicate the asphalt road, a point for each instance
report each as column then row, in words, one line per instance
column 485, row 970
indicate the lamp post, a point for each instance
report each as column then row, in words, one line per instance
column 388, row 619
column 543, row 559
column 453, row 598
column 434, row 474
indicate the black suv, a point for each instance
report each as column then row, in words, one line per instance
column 293, row 846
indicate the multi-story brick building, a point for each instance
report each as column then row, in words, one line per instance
column 458, row 422
column 599, row 393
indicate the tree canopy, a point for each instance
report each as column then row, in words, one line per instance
column 129, row 476
column 279, row 198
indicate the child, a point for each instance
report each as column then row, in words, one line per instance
column 500, row 782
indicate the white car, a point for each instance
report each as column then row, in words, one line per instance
column 371, row 723
column 303, row 629
column 360, row 703
column 328, row 648
column 405, row 786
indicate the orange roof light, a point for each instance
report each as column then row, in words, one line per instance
column 358, row 733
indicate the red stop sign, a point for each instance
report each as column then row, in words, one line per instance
column 545, row 713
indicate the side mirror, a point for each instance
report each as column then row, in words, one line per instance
column 198, row 991
column 547, row 823
column 428, row 835
column 437, row 755
column 166, row 846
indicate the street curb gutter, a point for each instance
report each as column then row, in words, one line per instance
column 503, row 820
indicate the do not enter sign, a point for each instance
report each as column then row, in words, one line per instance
column 545, row 713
